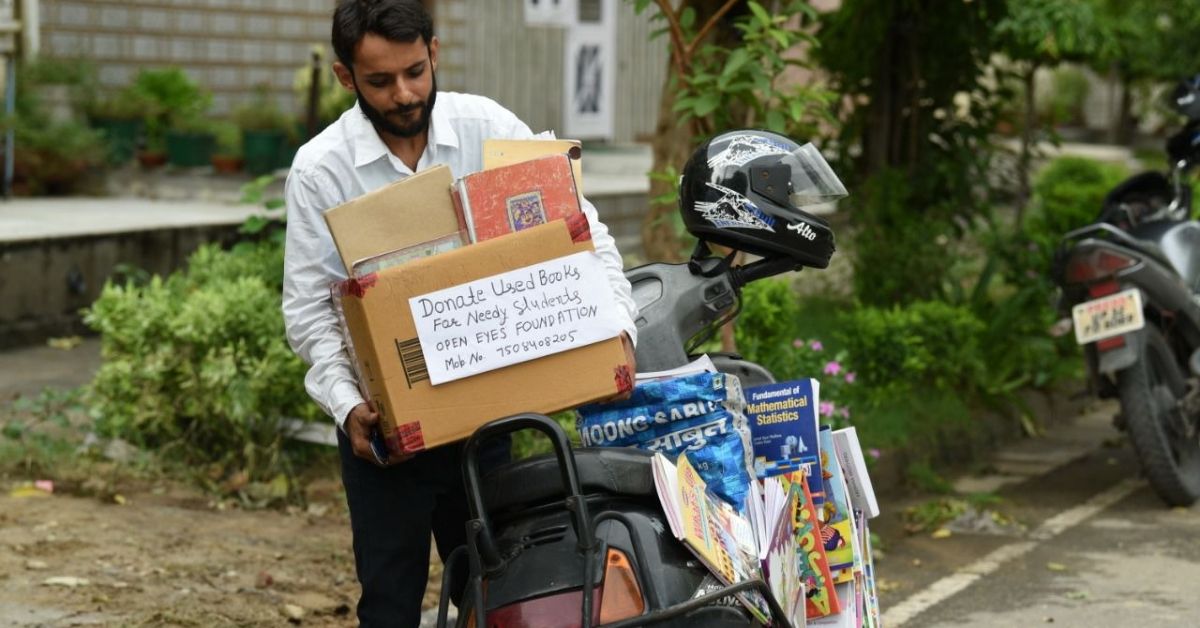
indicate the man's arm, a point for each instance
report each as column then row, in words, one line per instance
column 311, row 265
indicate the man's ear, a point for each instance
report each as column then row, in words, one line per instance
column 344, row 75
column 433, row 52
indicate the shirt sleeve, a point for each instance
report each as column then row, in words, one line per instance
column 310, row 267
column 604, row 243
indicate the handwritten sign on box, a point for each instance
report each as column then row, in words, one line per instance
column 515, row 316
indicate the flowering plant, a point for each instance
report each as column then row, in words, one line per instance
column 831, row 369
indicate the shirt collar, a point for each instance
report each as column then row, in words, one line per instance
column 368, row 148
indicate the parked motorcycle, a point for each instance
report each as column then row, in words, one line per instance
column 1132, row 283
column 538, row 555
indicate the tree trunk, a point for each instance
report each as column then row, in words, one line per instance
column 673, row 142
column 1126, row 123
column 661, row 240
column 1025, row 161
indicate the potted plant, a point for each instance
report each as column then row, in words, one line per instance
column 227, row 158
column 119, row 118
column 190, row 141
column 175, row 120
column 264, row 131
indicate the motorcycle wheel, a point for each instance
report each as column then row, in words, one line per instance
column 1164, row 439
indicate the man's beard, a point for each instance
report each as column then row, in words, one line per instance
column 387, row 122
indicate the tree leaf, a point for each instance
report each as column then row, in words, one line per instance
column 759, row 12
column 706, row 104
column 687, row 18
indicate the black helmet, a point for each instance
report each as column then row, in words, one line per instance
column 744, row 190
column 1186, row 98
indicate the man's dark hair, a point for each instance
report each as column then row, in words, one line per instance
column 395, row 20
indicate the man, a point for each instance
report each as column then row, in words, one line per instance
column 387, row 54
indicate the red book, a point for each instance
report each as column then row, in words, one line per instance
column 511, row 198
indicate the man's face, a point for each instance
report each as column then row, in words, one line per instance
column 395, row 83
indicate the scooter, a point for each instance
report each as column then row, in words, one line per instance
column 1131, row 282
column 578, row 538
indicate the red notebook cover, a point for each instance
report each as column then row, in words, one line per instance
column 511, row 198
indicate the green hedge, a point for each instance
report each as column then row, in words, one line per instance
column 198, row 365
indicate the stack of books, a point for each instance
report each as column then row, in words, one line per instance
column 803, row 527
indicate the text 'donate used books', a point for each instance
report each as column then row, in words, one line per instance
column 514, row 317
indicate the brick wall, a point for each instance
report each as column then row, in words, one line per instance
column 228, row 46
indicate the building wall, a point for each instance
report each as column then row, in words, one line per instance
column 487, row 49
column 228, row 46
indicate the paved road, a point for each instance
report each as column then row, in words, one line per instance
column 1097, row 549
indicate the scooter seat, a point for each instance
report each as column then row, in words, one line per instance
column 533, row 481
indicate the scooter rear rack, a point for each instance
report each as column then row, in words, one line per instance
column 484, row 558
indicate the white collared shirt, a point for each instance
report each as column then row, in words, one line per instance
column 347, row 160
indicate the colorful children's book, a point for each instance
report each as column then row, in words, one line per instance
column 783, row 429
column 821, row 598
column 515, row 197
column 780, row 551
column 721, row 538
column 837, row 519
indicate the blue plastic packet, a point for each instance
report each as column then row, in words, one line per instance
column 700, row 415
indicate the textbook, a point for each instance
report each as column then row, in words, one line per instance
column 854, row 469
column 512, row 198
column 837, row 519
column 722, row 539
column 783, row 429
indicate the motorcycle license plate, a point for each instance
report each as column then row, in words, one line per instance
column 1108, row 316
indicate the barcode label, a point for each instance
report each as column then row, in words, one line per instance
column 412, row 361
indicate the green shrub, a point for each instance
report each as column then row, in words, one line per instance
column 1068, row 194
column 1064, row 104
column 925, row 344
column 197, row 364
column 767, row 325
column 774, row 331
column 899, row 253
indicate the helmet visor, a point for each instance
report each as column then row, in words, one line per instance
column 813, row 181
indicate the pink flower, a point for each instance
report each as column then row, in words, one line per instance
column 850, row 377
column 874, row 453
column 816, row 345
column 798, row 343
column 833, row 368
column 826, row 408
column 844, row 411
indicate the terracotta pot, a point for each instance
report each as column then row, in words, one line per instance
column 224, row 164
column 150, row 160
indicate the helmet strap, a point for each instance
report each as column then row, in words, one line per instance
column 704, row 264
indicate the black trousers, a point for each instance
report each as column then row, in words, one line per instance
column 392, row 512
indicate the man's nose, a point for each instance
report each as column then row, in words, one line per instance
column 404, row 94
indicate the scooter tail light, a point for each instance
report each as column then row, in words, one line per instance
column 617, row 597
column 1096, row 264
column 622, row 595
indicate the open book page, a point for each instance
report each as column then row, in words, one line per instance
column 781, row 565
column 721, row 538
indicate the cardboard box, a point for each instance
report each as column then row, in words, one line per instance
column 417, row 415
column 407, row 213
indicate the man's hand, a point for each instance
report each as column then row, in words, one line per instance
column 362, row 421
